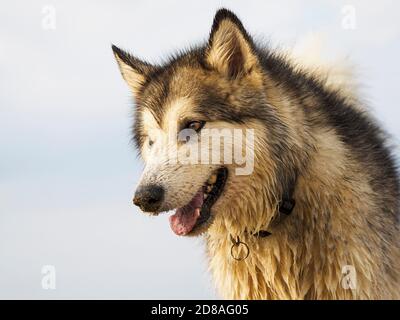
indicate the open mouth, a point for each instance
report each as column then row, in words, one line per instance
column 197, row 212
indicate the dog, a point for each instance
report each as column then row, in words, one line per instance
column 315, row 216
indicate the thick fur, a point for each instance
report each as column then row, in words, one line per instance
column 311, row 132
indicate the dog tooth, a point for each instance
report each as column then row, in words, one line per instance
column 212, row 179
column 209, row 188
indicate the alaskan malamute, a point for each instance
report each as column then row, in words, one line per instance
column 304, row 203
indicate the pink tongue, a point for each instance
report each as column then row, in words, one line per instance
column 184, row 219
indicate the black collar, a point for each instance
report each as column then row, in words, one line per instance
column 286, row 207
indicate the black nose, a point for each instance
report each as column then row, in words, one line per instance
column 149, row 197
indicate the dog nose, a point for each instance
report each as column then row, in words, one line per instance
column 149, row 197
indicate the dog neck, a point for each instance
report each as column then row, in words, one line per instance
column 305, row 254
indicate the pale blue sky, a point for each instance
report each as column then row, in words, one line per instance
column 67, row 168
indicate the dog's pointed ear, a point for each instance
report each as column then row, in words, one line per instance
column 133, row 70
column 230, row 49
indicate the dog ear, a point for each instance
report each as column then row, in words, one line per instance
column 134, row 71
column 230, row 49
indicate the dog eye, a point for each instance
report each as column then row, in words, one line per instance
column 195, row 125
column 150, row 142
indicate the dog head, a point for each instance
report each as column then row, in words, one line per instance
column 202, row 126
